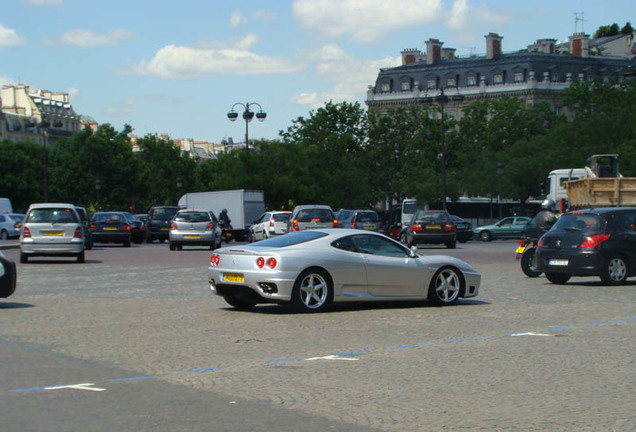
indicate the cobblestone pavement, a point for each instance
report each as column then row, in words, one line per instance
column 524, row 355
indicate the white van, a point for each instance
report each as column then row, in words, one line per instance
column 5, row 205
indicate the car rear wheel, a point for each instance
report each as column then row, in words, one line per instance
column 24, row 258
column 172, row 246
column 451, row 244
column 558, row 278
column 312, row 291
column 5, row 235
column 445, row 287
column 614, row 271
column 81, row 257
column 127, row 244
column 529, row 263
column 485, row 236
column 238, row 304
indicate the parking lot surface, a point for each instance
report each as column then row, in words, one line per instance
column 134, row 339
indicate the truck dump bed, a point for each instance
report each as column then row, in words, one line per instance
column 591, row 192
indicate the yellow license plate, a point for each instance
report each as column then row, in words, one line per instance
column 233, row 277
column 433, row 226
column 520, row 249
column 165, row 229
column 194, row 237
column 368, row 227
column 53, row 234
column 110, row 229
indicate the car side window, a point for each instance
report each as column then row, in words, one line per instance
column 627, row 222
column 377, row 245
column 345, row 244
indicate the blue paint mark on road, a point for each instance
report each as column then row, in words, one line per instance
column 207, row 369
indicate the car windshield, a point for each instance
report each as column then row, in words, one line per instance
column 290, row 239
column 367, row 217
column 191, row 216
column 52, row 215
column 584, row 222
column 308, row 215
column 164, row 213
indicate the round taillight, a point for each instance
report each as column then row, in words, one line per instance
column 272, row 263
column 214, row 260
column 260, row 262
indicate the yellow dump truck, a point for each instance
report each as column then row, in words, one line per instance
column 602, row 185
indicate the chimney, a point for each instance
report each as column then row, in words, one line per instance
column 580, row 44
column 493, row 45
column 448, row 53
column 433, row 51
column 411, row 55
column 543, row 45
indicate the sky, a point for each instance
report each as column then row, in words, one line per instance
column 179, row 66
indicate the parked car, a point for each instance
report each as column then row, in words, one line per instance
column 529, row 230
column 310, row 269
column 597, row 242
column 158, row 223
column 10, row 225
column 463, row 228
column 306, row 217
column 137, row 232
column 195, row 228
column 430, row 227
column 8, row 276
column 52, row 229
column 83, row 214
column 143, row 217
column 110, row 227
column 270, row 224
column 506, row 228
column 360, row 219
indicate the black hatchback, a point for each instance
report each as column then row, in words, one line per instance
column 595, row 242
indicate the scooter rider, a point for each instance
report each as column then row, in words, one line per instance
column 546, row 217
column 224, row 218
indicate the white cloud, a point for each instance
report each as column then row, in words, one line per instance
column 5, row 80
column 73, row 93
column 347, row 75
column 463, row 17
column 83, row 38
column 9, row 38
column 236, row 19
column 364, row 21
column 211, row 58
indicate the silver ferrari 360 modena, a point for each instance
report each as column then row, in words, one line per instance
column 311, row 269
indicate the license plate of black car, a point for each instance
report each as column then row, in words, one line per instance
column 558, row 262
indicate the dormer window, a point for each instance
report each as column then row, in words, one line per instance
column 518, row 77
column 498, row 78
column 405, row 85
column 385, row 87
column 554, row 77
column 471, row 80
column 431, row 83
column 451, row 82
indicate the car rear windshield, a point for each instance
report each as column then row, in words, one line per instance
column 162, row 213
column 425, row 216
column 52, row 215
column 308, row 215
column 109, row 217
column 582, row 222
column 290, row 239
column 281, row 217
column 367, row 217
column 192, row 217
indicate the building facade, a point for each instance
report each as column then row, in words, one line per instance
column 536, row 74
column 36, row 115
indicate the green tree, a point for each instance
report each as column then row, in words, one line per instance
column 21, row 173
column 627, row 29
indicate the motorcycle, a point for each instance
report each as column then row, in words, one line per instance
column 526, row 253
column 227, row 232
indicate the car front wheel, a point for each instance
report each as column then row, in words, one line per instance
column 485, row 236
column 614, row 271
column 445, row 287
column 312, row 291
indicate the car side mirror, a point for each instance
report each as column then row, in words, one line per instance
column 413, row 252
column 8, row 277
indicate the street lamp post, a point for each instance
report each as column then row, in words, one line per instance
column 248, row 115
column 442, row 100
column 44, row 124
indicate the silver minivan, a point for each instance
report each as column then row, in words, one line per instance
column 52, row 229
column 306, row 217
